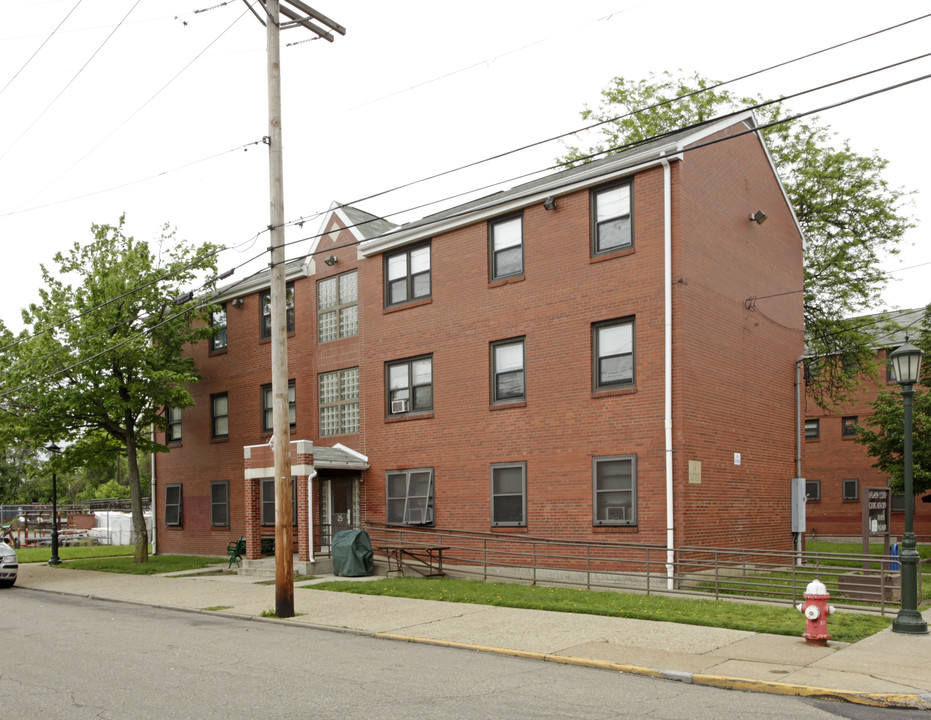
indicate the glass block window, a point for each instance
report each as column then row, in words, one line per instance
column 339, row 402
column 337, row 307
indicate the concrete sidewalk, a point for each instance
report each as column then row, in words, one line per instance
column 885, row 670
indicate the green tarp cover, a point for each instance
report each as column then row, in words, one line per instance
column 352, row 553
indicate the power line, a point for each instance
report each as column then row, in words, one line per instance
column 39, row 49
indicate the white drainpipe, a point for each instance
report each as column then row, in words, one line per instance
column 667, row 411
column 310, row 512
column 152, row 493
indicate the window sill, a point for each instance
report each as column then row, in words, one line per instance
column 812, row 440
column 848, row 437
column 412, row 416
column 611, row 255
column 407, row 305
column 221, row 351
column 172, row 444
column 626, row 529
column 508, row 405
column 220, row 439
column 502, row 282
column 613, row 393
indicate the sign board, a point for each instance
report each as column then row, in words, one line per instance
column 877, row 502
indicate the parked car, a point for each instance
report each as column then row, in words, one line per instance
column 9, row 565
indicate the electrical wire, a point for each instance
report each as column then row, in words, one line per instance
column 39, row 49
column 71, row 81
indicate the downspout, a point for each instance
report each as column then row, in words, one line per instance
column 310, row 513
column 799, row 364
column 152, row 491
column 667, row 411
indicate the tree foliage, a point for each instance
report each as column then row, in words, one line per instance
column 100, row 360
column 883, row 432
column 849, row 214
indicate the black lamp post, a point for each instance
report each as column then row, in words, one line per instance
column 907, row 363
column 54, row 559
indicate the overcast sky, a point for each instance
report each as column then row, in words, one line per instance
column 155, row 109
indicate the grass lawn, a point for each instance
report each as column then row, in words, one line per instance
column 42, row 554
column 844, row 627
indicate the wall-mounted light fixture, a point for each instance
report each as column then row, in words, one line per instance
column 331, row 260
column 237, row 303
column 549, row 203
column 759, row 217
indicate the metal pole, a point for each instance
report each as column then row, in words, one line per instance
column 54, row 559
column 281, row 445
column 909, row 620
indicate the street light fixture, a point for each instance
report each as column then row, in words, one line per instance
column 54, row 559
column 906, row 361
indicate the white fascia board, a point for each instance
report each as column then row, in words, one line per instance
column 350, row 451
column 337, row 210
column 629, row 165
column 261, row 282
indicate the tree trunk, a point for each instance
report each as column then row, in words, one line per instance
column 142, row 535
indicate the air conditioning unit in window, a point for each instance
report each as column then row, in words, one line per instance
column 419, row 516
column 398, row 406
column 616, row 512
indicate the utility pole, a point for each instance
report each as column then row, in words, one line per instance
column 299, row 15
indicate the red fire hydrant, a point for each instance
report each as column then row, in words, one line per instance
column 816, row 611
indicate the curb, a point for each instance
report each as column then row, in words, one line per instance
column 909, row 701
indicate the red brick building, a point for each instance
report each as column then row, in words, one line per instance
column 837, row 469
column 577, row 357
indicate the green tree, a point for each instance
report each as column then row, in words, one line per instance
column 849, row 214
column 883, row 432
column 98, row 362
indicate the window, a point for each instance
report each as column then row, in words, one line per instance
column 613, row 354
column 410, row 497
column 218, row 322
column 173, row 428
column 265, row 302
column 220, row 504
column 337, row 308
column 507, row 371
column 339, row 402
column 890, row 367
column 851, row 489
column 506, row 241
column 219, row 415
column 615, row 490
column 896, row 500
column 173, row 513
column 812, row 490
column 812, row 429
column 848, row 426
column 268, row 424
column 410, row 386
column 268, row 501
column 611, row 216
column 509, row 494
column 408, row 275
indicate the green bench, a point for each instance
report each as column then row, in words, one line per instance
column 235, row 550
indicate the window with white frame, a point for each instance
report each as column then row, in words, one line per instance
column 337, row 307
column 173, row 425
column 509, row 494
column 218, row 341
column 265, row 303
column 611, row 219
column 339, row 402
column 506, row 247
column 410, row 386
column 407, row 275
column 220, row 504
column 268, row 501
column 507, row 371
column 613, row 354
column 268, row 410
column 409, row 497
column 615, row 490
column 173, row 508
column 219, row 415
column 851, row 489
